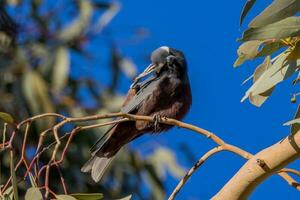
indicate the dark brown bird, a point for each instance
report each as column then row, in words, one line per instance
column 165, row 92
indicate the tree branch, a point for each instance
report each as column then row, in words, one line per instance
column 259, row 167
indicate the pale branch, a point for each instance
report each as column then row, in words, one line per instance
column 292, row 182
column 193, row 169
column 261, row 166
column 292, row 171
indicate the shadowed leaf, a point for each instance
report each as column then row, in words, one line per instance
column 61, row 69
column 6, row 117
column 259, row 99
column 248, row 5
column 126, row 198
column 92, row 196
column 65, row 197
column 77, row 27
column 276, row 11
column 295, row 123
column 280, row 70
column 288, row 27
column 270, row 48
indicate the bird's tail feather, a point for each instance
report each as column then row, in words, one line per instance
column 97, row 166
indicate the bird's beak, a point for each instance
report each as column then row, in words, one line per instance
column 151, row 68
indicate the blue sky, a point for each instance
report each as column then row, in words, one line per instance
column 206, row 31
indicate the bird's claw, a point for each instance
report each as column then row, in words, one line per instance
column 156, row 119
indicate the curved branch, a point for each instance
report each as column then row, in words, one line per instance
column 193, row 169
column 259, row 167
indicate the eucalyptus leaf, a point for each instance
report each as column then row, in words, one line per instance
column 6, row 117
column 126, row 198
column 247, row 51
column 276, row 11
column 61, row 69
column 289, row 27
column 65, row 197
column 270, row 48
column 295, row 123
column 259, row 99
column 280, row 70
column 77, row 27
column 247, row 7
column 36, row 93
column 91, row 196
column 33, row 193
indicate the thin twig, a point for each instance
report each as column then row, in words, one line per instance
column 193, row 169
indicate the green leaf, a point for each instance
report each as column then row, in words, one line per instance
column 37, row 96
column 295, row 123
column 259, row 99
column 126, row 198
column 248, row 5
column 247, row 51
column 280, row 70
column 276, row 11
column 33, row 193
column 270, row 48
column 165, row 160
column 65, row 197
column 91, row 196
column 78, row 26
column 288, row 27
column 6, row 117
column 61, row 69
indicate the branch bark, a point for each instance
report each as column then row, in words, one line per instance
column 259, row 167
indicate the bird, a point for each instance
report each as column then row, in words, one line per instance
column 161, row 90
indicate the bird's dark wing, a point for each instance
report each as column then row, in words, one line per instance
column 134, row 98
column 146, row 88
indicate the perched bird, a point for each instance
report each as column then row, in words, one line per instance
column 162, row 90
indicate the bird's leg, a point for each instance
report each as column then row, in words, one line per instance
column 156, row 119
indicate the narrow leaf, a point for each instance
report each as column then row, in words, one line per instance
column 288, row 27
column 91, row 196
column 295, row 123
column 65, row 197
column 276, row 11
column 126, row 198
column 247, row 7
column 61, row 69
column 270, row 48
column 77, row 27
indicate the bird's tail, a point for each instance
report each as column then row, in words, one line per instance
column 97, row 166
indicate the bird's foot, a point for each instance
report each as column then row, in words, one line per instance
column 156, row 119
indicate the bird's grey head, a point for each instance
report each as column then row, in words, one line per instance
column 165, row 59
